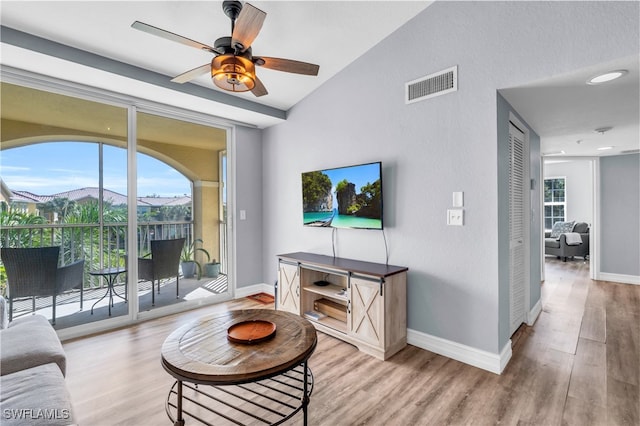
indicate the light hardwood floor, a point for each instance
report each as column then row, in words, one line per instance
column 578, row 365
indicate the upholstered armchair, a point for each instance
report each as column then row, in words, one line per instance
column 34, row 272
column 562, row 246
column 164, row 263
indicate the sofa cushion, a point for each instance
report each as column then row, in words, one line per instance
column 581, row 228
column 36, row 396
column 552, row 243
column 28, row 342
column 560, row 228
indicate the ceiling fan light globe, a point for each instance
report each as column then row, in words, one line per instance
column 233, row 73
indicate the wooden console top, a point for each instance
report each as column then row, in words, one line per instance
column 357, row 266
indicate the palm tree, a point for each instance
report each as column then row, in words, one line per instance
column 11, row 217
column 86, row 242
column 61, row 206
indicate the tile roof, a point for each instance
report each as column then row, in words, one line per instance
column 112, row 197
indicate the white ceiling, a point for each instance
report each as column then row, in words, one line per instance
column 328, row 33
column 561, row 109
column 564, row 110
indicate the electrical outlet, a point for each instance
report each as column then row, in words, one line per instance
column 455, row 217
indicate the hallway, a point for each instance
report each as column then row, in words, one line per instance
column 590, row 331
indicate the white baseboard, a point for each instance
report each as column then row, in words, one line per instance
column 505, row 356
column 618, row 278
column 533, row 313
column 253, row 289
column 494, row 363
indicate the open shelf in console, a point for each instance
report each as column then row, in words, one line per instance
column 327, row 302
column 333, row 323
column 332, row 291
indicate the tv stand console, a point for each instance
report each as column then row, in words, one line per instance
column 362, row 303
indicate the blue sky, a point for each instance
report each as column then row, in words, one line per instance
column 50, row 168
column 359, row 175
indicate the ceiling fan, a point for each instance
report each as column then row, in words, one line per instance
column 233, row 66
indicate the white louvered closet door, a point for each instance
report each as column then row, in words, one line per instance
column 518, row 205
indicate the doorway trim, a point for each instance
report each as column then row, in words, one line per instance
column 594, row 228
column 594, row 236
column 513, row 120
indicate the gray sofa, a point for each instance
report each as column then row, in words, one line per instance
column 558, row 246
column 32, row 369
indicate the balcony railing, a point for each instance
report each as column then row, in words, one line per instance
column 101, row 246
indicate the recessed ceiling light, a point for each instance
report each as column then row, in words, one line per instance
column 604, row 148
column 609, row 76
column 603, row 130
column 548, row 154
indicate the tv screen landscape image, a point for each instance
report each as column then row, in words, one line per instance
column 344, row 197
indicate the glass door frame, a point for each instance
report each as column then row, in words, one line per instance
column 201, row 119
column 133, row 105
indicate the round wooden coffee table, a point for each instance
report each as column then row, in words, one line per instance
column 269, row 381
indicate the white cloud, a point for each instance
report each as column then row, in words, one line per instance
column 14, row 168
column 44, row 186
column 76, row 171
column 166, row 187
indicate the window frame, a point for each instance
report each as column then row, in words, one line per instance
column 552, row 203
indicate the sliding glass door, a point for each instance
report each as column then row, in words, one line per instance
column 66, row 181
column 178, row 182
column 64, row 167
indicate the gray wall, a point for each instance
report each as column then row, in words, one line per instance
column 248, row 176
column 619, row 214
column 578, row 185
column 432, row 148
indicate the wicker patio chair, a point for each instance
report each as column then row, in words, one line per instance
column 34, row 272
column 164, row 263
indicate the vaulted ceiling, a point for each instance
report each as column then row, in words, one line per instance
column 330, row 34
column 93, row 43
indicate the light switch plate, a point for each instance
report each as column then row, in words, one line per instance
column 455, row 217
column 458, row 199
column 243, row 215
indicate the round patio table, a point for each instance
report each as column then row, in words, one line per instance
column 269, row 381
column 110, row 275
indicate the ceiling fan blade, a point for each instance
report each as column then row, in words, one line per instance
column 287, row 65
column 150, row 29
column 247, row 26
column 259, row 89
column 190, row 75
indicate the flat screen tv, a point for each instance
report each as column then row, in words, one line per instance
column 344, row 197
